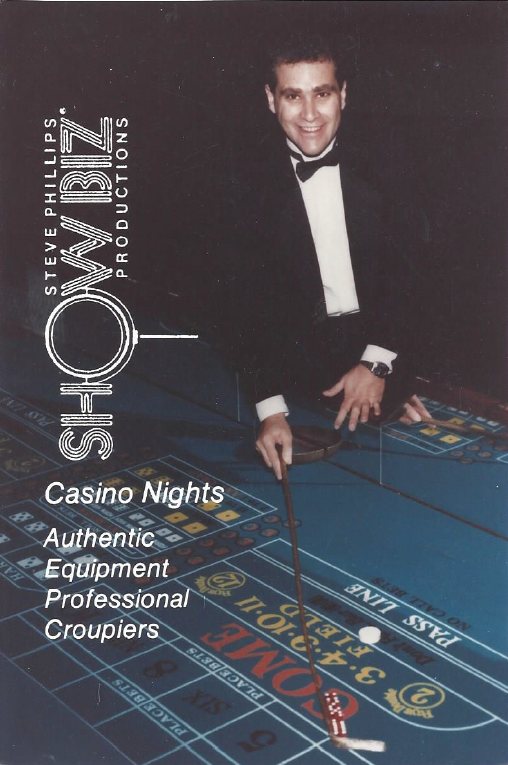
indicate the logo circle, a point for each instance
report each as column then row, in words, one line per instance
column 421, row 695
column 128, row 335
column 226, row 580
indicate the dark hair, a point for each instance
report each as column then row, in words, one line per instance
column 295, row 47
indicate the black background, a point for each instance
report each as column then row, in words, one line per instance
column 426, row 121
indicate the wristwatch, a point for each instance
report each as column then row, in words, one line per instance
column 377, row 368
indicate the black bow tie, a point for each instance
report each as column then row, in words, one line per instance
column 306, row 170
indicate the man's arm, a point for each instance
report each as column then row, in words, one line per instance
column 275, row 428
column 275, row 431
column 272, row 413
column 363, row 391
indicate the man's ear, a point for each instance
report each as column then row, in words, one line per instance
column 343, row 96
column 270, row 98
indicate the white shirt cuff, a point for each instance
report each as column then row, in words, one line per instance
column 272, row 405
column 376, row 353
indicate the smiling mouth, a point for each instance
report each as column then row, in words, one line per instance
column 310, row 130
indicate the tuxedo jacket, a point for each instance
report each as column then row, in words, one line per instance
column 275, row 293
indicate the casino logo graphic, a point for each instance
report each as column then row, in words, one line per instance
column 416, row 699
column 80, row 180
column 220, row 584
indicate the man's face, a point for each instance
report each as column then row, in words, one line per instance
column 308, row 103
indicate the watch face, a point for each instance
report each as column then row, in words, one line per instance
column 377, row 368
column 380, row 369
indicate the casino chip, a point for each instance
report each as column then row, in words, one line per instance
column 184, row 551
column 370, row 635
column 206, row 542
column 221, row 550
column 245, row 541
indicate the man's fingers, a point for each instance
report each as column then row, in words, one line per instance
column 419, row 406
column 411, row 414
column 357, row 410
column 287, row 453
column 286, row 441
column 341, row 416
column 353, row 416
column 364, row 411
column 261, row 449
column 268, row 449
column 275, row 432
column 335, row 389
column 286, row 450
column 274, row 459
column 414, row 411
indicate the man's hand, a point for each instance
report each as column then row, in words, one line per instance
column 363, row 391
column 414, row 411
column 275, row 430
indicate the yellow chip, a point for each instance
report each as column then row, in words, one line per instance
column 145, row 471
column 194, row 528
column 430, row 431
column 176, row 517
column 450, row 439
column 112, row 481
column 207, row 506
column 456, row 420
column 227, row 515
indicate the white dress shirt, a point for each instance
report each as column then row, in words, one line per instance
column 322, row 196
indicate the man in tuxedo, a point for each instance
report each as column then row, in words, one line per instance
column 325, row 314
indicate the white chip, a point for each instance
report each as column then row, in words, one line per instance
column 369, row 635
